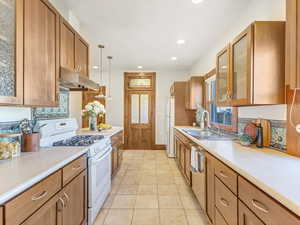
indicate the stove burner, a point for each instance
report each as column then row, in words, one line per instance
column 79, row 140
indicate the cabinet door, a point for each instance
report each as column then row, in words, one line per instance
column 188, row 164
column 210, row 187
column 182, row 157
column 74, row 194
column 11, row 52
column 114, row 163
column 41, row 53
column 81, row 56
column 67, row 46
column 241, row 67
column 246, row 217
column 1, row 215
column 177, row 150
column 48, row 214
column 223, row 76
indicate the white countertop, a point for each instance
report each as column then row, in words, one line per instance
column 106, row 133
column 21, row 173
column 275, row 173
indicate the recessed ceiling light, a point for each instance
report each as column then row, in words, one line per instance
column 174, row 58
column 197, row 1
column 180, row 42
column 95, row 67
column 140, row 67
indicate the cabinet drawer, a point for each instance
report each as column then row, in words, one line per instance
column 226, row 175
column 73, row 169
column 219, row 220
column 226, row 202
column 21, row 207
column 246, row 217
column 267, row 209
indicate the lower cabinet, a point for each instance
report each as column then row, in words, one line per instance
column 219, row 220
column 117, row 152
column 75, row 199
column 1, row 216
column 246, row 217
column 210, row 188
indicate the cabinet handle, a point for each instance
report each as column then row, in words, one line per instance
column 39, row 196
column 222, row 174
column 224, row 202
column 67, row 197
column 76, row 167
column 260, row 206
column 62, row 203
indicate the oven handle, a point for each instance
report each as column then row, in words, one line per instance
column 107, row 152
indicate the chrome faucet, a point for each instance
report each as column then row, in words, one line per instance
column 203, row 119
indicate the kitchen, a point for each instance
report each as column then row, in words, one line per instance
column 136, row 117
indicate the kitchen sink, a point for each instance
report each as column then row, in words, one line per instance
column 206, row 135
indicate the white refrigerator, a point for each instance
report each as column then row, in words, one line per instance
column 170, row 127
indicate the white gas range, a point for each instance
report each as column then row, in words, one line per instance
column 62, row 132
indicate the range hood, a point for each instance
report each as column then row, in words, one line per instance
column 73, row 80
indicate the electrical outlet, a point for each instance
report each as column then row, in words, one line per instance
column 298, row 128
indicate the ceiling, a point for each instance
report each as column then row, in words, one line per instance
column 145, row 32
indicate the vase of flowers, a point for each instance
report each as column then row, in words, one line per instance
column 93, row 110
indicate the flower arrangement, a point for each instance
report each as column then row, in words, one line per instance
column 93, row 109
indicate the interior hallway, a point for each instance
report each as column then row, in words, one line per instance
column 150, row 190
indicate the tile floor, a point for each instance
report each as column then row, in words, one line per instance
column 150, row 190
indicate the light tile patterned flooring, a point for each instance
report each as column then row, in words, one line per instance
column 150, row 190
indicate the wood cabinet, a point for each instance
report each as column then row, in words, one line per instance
column 117, row 141
column 194, row 93
column 223, row 76
column 219, row 219
column 41, row 53
column 255, row 57
column 1, row 215
column 210, row 188
column 74, row 50
column 73, row 169
column 246, row 217
column 292, row 62
column 49, row 203
column 75, row 197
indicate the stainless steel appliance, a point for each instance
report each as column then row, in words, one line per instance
column 63, row 133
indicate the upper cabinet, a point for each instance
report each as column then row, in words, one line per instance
column 194, row 93
column 11, row 52
column 292, row 44
column 74, row 51
column 223, row 76
column 41, row 53
column 256, row 59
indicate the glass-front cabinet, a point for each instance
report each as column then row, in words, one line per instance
column 223, row 84
column 11, row 68
column 241, row 49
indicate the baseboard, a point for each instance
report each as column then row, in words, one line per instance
column 160, row 147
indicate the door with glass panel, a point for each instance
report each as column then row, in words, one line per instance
column 139, row 111
column 241, row 68
column 223, row 77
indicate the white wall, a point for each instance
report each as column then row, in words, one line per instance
column 75, row 105
column 9, row 114
column 258, row 10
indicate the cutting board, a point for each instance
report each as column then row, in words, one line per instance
column 267, row 131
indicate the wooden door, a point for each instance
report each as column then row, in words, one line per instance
column 241, row 68
column 139, row 114
column 246, row 217
column 81, row 56
column 75, row 197
column 41, row 53
column 223, row 76
column 67, row 45
column 48, row 214
column 11, row 52
column 210, row 188
column 89, row 96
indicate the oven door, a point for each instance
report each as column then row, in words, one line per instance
column 99, row 178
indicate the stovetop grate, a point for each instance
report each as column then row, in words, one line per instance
column 79, row 140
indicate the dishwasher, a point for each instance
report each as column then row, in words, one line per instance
column 199, row 176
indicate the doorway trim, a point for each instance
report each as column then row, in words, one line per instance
column 127, row 89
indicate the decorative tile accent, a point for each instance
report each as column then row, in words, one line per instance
column 54, row 112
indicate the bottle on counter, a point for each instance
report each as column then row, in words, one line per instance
column 259, row 135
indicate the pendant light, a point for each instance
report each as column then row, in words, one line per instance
column 101, row 94
column 109, row 77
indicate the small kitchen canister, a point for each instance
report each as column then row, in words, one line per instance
column 10, row 145
column 31, row 142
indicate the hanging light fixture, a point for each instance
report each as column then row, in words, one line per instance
column 101, row 94
column 109, row 77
